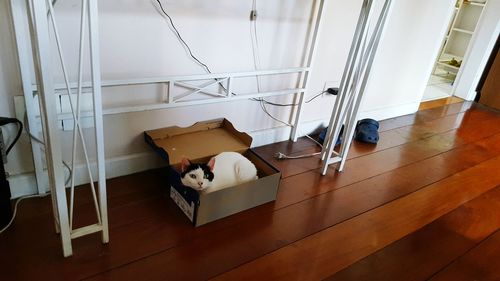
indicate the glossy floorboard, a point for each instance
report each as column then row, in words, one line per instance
column 421, row 204
column 439, row 102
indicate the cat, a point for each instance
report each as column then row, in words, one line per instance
column 223, row 170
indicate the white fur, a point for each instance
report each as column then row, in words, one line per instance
column 195, row 179
column 230, row 169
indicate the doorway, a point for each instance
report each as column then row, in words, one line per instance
column 454, row 46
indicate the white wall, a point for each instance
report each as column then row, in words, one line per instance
column 136, row 42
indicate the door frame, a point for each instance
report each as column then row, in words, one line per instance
column 478, row 52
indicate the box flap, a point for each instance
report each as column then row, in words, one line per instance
column 202, row 140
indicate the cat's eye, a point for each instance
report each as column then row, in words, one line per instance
column 205, row 176
column 193, row 176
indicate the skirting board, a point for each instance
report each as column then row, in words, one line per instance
column 25, row 184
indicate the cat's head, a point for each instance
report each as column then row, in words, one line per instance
column 198, row 176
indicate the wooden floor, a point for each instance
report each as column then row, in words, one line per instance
column 423, row 204
column 439, row 102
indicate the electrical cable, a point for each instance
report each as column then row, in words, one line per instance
column 6, row 121
column 288, row 104
column 255, row 49
column 255, row 42
column 183, row 42
column 26, row 128
column 282, row 156
column 15, row 208
column 262, row 101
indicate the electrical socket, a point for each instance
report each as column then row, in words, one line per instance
column 253, row 15
column 331, row 84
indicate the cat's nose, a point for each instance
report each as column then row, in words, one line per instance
column 200, row 183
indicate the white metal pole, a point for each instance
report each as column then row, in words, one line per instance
column 345, row 90
column 75, row 111
column 345, row 82
column 372, row 49
column 98, row 119
column 19, row 17
column 22, row 22
column 310, row 61
column 47, row 100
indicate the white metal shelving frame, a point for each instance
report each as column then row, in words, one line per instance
column 33, row 20
column 34, row 23
column 444, row 55
column 32, row 17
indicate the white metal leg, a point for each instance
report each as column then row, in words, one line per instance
column 98, row 120
column 345, row 89
column 75, row 112
column 19, row 17
column 306, row 75
column 371, row 51
column 351, row 93
column 38, row 12
column 47, row 100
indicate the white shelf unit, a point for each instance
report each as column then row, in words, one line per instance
column 31, row 21
column 34, row 24
column 460, row 31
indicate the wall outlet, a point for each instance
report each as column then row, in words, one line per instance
column 331, row 84
column 253, row 15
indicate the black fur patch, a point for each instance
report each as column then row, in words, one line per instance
column 206, row 170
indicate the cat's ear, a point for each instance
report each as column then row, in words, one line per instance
column 184, row 164
column 211, row 164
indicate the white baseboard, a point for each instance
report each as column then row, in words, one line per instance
column 282, row 133
column 390, row 112
column 25, row 184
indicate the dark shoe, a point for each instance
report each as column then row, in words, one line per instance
column 322, row 135
column 367, row 131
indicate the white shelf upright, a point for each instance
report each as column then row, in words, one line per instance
column 353, row 84
column 39, row 19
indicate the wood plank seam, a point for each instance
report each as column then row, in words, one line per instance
column 463, row 255
column 485, row 165
column 187, row 242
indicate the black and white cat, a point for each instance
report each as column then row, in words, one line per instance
column 223, row 170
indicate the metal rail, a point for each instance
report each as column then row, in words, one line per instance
column 31, row 17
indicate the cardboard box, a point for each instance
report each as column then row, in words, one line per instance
column 217, row 136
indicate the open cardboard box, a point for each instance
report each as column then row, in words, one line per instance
column 215, row 137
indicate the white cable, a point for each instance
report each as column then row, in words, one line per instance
column 282, row 156
column 27, row 129
column 255, row 44
column 15, row 209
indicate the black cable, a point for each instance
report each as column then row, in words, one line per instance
column 181, row 39
column 207, row 69
column 19, row 131
column 186, row 46
column 5, row 121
